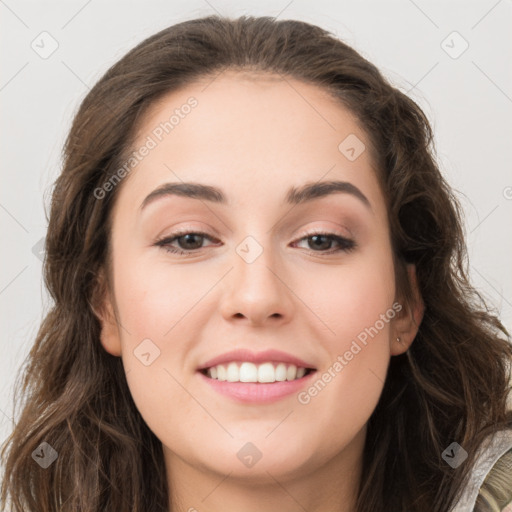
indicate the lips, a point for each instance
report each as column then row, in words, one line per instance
column 256, row 378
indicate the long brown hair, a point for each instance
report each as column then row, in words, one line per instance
column 451, row 385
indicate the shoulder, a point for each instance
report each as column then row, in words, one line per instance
column 489, row 488
column 495, row 494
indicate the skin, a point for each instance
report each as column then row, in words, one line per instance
column 254, row 136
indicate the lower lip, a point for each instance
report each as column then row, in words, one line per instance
column 256, row 392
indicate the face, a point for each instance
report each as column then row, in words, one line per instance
column 256, row 330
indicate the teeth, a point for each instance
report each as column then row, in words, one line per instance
column 281, row 372
column 221, row 372
column 266, row 373
column 291, row 372
column 250, row 372
column 232, row 373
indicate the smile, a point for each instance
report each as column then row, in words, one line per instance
column 254, row 378
column 264, row 373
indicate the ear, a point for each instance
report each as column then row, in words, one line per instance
column 408, row 321
column 104, row 309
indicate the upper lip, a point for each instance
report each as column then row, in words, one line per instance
column 255, row 357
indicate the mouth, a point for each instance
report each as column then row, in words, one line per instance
column 256, row 378
column 265, row 373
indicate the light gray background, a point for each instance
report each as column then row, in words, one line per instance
column 468, row 100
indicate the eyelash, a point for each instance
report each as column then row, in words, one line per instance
column 346, row 244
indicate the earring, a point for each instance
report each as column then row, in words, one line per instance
column 398, row 339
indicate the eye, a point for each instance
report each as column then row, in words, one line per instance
column 323, row 242
column 191, row 239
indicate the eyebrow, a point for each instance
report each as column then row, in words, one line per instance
column 294, row 196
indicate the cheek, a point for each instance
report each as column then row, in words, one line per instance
column 153, row 298
column 350, row 299
column 155, row 307
column 356, row 305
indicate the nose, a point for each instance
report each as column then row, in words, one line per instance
column 256, row 289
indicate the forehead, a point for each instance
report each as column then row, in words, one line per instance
column 256, row 133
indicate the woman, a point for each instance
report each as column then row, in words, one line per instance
column 258, row 369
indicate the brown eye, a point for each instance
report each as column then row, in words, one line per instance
column 190, row 241
column 322, row 243
column 187, row 242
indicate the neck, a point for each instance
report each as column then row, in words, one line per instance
column 331, row 487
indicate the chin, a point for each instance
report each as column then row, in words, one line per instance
column 257, row 462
